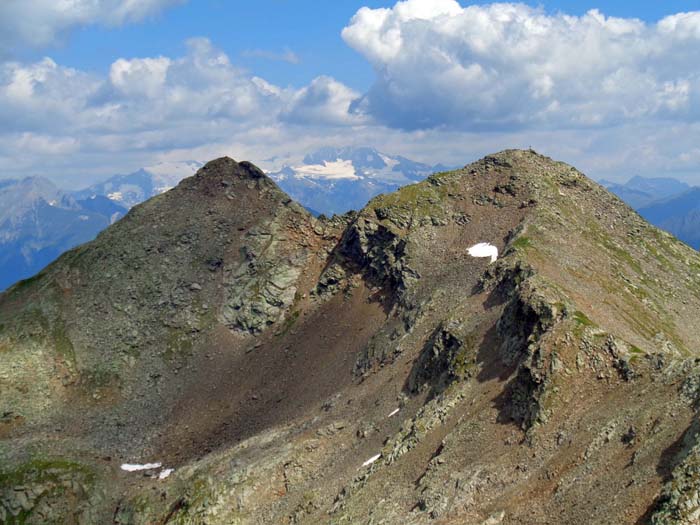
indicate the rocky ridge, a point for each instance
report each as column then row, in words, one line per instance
column 264, row 353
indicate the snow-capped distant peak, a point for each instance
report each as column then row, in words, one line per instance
column 352, row 164
column 133, row 188
column 335, row 180
column 335, row 170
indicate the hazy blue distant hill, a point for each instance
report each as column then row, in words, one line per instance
column 665, row 202
column 640, row 191
column 679, row 215
column 103, row 206
column 38, row 222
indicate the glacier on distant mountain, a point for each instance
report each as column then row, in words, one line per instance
column 336, row 180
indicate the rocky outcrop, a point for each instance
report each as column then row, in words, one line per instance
column 682, row 504
column 380, row 252
column 374, row 250
column 48, row 492
column 679, row 503
column 450, row 355
column 260, row 291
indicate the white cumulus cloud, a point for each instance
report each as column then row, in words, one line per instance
column 148, row 106
column 615, row 97
column 323, row 101
column 41, row 22
column 42, row 96
column 505, row 66
column 140, row 76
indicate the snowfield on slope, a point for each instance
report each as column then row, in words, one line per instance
column 129, row 467
column 484, row 249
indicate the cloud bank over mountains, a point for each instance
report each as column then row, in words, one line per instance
column 151, row 104
column 593, row 89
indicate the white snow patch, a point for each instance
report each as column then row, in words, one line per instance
column 484, row 249
column 390, row 163
column 339, row 169
column 165, row 473
column 394, row 412
column 116, row 196
column 371, row 460
column 129, row 467
column 83, row 217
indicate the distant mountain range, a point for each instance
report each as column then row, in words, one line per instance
column 134, row 188
column 336, row 180
column 679, row 215
column 640, row 191
column 667, row 203
column 38, row 221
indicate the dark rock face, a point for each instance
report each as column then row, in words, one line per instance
column 379, row 252
column 297, row 370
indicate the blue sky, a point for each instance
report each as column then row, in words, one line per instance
column 107, row 86
column 308, row 28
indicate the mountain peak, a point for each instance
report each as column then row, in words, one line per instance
column 485, row 305
column 232, row 179
column 538, row 173
column 218, row 164
column 226, row 166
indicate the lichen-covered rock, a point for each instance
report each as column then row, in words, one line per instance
column 262, row 288
column 679, row 503
column 41, row 492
